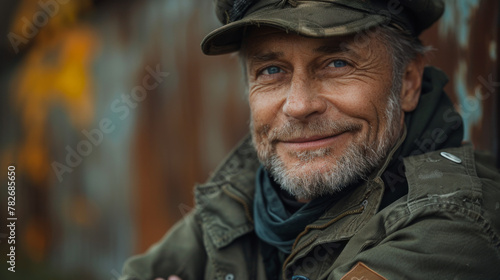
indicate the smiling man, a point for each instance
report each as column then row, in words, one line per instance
column 323, row 117
column 354, row 168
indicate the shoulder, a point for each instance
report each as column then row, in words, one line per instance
column 180, row 252
column 456, row 183
column 447, row 226
column 452, row 170
column 240, row 162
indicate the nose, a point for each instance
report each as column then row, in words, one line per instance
column 303, row 100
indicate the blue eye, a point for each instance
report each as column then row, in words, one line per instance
column 272, row 70
column 338, row 63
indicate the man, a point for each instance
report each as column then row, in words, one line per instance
column 354, row 168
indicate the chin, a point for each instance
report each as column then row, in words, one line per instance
column 307, row 179
column 321, row 165
column 321, row 172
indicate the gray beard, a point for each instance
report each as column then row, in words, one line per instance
column 357, row 162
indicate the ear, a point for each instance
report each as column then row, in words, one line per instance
column 412, row 84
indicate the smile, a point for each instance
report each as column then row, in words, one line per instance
column 314, row 142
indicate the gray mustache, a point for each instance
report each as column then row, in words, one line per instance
column 296, row 129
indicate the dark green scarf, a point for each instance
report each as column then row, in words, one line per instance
column 273, row 223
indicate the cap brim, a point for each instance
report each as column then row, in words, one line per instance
column 311, row 20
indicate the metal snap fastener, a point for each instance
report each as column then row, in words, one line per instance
column 451, row 157
column 229, row 276
column 299, row 277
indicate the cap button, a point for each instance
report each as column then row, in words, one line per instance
column 299, row 277
column 451, row 157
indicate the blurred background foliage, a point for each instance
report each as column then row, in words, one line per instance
column 68, row 66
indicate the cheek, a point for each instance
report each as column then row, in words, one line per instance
column 359, row 101
column 364, row 104
column 264, row 110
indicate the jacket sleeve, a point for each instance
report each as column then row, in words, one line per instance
column 180, row 252
column 432, row 248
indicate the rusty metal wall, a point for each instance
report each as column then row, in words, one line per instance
column 167, row 114
column 111, row 115
column 466, row 43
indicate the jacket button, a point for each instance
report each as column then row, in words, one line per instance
column 229, row 276
column 451, row 157
column 299, row 277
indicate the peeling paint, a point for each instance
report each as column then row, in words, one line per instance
column 469, row 107
column 493, row 50
column 456, row 19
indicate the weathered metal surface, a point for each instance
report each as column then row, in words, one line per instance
column 466, row 45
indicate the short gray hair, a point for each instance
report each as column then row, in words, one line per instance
column 403, row 48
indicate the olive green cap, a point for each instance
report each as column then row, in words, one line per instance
column 316, row 18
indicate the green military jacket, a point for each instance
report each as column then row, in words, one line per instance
column 446, row 227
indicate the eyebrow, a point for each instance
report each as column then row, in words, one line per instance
column 324, row 49
column 263, row 57
column 333, row 49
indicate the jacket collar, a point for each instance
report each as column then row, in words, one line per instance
column 225, row 201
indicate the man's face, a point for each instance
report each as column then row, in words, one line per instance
column 322, row 112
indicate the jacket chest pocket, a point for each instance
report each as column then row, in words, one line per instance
column 215, row 272
column 316, row 263
column 237, row 261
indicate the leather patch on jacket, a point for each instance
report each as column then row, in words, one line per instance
column 362, row 272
